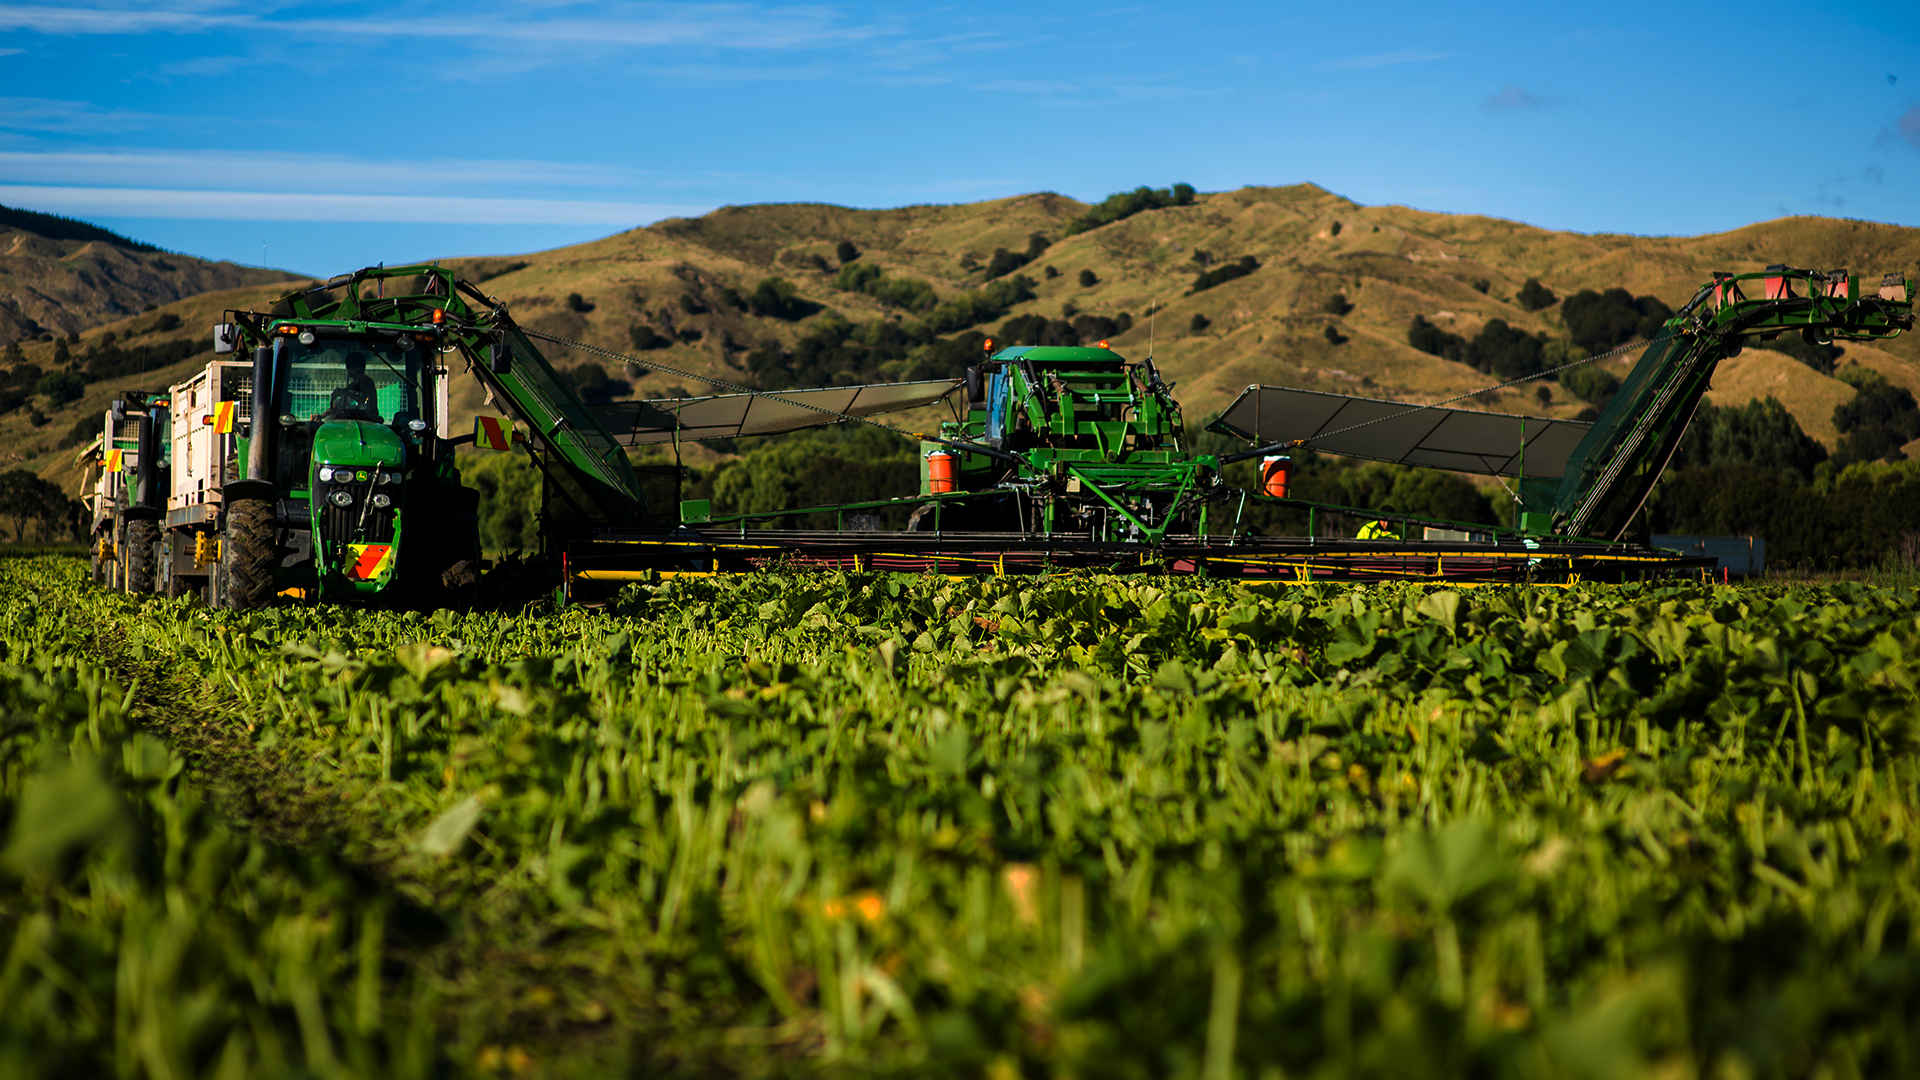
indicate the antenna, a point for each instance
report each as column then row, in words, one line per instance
column 1153, row 307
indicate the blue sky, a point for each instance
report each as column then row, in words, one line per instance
column 322, row 137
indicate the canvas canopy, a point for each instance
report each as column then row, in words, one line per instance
column 1459, row 439
column 727, row 416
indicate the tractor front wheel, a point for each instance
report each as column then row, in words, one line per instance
column 248, row 551
column 142, row 536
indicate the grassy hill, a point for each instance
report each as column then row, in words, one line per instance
column 58, row 275
column 1390, row 263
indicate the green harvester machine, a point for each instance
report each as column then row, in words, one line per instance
column 325, row 466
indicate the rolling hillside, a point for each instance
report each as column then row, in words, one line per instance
column 58, row 275
column 679, row 281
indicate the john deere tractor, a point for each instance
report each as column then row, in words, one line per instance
column 326, row 467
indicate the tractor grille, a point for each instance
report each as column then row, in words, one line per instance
column 345, row 524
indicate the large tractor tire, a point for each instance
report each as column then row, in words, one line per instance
column 249, row 549
column 142, row 536
column 454, row 539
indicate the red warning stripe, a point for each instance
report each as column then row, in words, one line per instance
column 368, row 560
column 491, row 433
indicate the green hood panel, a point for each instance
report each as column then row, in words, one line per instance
column 357, row 443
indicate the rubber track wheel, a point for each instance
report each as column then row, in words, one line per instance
column 141, row 537
column 249, row 550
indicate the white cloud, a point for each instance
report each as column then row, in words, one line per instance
column 51, row 114
column 297, row 206
column 292, row 171
column 736, row 26
column 1408, row 56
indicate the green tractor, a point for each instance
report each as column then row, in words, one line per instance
column 339, row 481
column 1064, row 439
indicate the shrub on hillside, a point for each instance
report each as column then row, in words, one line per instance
column 109, row 361
column 576, row 302
column 60, row 387
column 1336, row 304
column 976, row 306
column 1434, row 341
column 644, row 339
column 1504, row 352
column 776, row 298
column 1088, row 279
column 1534, row 296
column 1198, row 324
column 846, row 252
column 1591, row 383
column 1220, row 275
column 594, row 385
column 1600, row 321
column 1125, row 204
column 1005, row 262
column 910, row 294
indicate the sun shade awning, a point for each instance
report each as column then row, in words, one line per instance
column 727, row 416
column 1457, row 439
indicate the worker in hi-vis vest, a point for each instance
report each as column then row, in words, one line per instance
column 1380, row 529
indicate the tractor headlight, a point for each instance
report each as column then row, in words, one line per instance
column 386, row 477
column 381, row 502
column 306, row 337
column 340, row 497
column 326, row 474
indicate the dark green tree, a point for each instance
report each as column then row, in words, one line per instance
column 1600, row 321
column 777, row 298
column 1125, row 204
column 1761, row 432
column 1434, row 341
column 1533, row 296
column 1220, row 275
column 60, row 387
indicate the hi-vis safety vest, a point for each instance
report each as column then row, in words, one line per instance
column 1377, row 530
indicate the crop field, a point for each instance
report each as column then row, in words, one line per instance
column 1089, row 827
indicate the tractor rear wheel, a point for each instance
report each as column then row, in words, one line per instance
column 248, row 551
column 142, row 536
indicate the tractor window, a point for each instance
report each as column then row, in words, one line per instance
column 351, row 380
